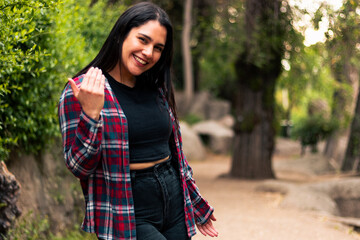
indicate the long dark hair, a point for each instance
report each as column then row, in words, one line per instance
column 110, row 54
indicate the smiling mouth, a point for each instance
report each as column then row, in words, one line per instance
column 140, row 60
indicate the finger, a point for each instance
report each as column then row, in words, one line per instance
column 208, row 231
column 200, row 227
column 85, row 81
column 102, row 83
column 212, row 217
column 74, row 88
column 97, row 84
column 92, row 78
column 95, row 76
column 90, row 75
column 211, row 230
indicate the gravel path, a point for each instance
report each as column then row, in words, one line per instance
column 245, row 214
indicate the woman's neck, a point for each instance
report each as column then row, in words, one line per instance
column 128, row 80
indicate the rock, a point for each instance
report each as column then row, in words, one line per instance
column 192, row 145
column 48, row 189
column 227, row 121
column 202, row 105
column 216, row 109
column 199, row 104
column 306, row 199
column 9, row 192
column 338, row 197
column 218, row 137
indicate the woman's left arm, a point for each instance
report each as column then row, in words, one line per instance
column 202, row 210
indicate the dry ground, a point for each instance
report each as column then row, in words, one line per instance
column 246, row 214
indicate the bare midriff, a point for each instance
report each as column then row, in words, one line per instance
column 139, row 166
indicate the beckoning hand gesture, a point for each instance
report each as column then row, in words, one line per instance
column 91, row 92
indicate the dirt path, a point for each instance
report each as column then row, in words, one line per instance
column 245, row 214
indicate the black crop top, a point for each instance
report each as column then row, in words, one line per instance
column 148, row 119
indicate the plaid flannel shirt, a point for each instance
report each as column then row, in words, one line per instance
column 97, row 152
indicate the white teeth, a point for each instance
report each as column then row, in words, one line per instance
column 140, row 60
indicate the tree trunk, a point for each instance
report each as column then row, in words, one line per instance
column 352, row 154
column 254, row 137
column 342, row 50
column 186, row 37
column 344, row 105
column 257, row 69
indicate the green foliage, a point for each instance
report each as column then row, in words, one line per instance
column 30, row 228
column 308, row 77
column 311, row 129
column 76, row 235
column 42, row 43
column 80, row 32
column 192, row 118
column 343, row 38
column 26, row 114
column 219, row 47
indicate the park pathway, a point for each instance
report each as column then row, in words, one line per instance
column 245, row 214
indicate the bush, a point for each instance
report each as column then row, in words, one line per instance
column 312, row 129
column 26, row 106
column 42, row 43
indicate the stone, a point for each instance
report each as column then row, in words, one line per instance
column 9, row 192
column 218, row 137
column 337, row 197
column 199, row 104
column 227, row 121
column 192, row 146
column 217, row 109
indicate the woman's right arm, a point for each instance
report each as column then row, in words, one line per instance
column 81, row 124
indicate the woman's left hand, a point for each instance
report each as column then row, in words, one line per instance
column 208, row 229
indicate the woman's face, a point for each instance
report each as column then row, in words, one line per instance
column 142, row 49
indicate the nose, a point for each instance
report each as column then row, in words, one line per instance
column 148, row 51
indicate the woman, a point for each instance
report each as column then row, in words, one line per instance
column 121, row 137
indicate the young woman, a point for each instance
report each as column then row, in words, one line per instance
column 121, row 137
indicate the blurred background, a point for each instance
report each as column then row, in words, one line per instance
column 265, row 89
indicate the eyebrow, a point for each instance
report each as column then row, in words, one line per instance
column 150, row 39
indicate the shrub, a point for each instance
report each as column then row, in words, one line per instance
column 312, row 129
column 42, row 43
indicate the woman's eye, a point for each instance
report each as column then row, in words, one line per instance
column 142, row 39
column 160, row 49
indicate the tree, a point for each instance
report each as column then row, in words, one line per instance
column 257, row 69
column 342, row 38
column 350, row 34
column 187, row 58
column 352, row 154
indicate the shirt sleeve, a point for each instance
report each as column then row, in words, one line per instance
column 81, row 136
column 202, row 209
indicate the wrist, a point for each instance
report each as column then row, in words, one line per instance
column 93, row 115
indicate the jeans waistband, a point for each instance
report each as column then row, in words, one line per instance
column 159, row 167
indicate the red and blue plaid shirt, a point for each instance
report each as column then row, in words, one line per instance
column 97, row 152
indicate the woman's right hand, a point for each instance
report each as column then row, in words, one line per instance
column 90, row 94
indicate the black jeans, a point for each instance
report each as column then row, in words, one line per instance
column 159, row 203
